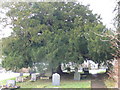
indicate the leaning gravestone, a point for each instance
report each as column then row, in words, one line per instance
column 76, row 75
column 11, row 83
column 56, row 79
column 33, row 77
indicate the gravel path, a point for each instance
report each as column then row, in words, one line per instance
column 98, row 84
column 97, row 81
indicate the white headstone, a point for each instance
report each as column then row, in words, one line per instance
column 56, row 79
column 33, row 77
column 21, row 74
column 76, row 74
column 11, row 83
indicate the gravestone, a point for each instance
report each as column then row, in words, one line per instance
column 21, row 74
column 33, row 77
column 56, row 79
column 11, row 83
column 19, row 79
column 76, row 75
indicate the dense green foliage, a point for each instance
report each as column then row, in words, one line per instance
column 54, row 33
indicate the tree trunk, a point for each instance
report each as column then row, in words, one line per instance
column 59, row 70
column 118, row 72
column 98, row 65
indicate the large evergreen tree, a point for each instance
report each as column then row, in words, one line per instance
column 54, row 33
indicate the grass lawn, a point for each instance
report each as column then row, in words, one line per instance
column 101, row 72
column 73, row 84
column 3, row 82
column 48, row 84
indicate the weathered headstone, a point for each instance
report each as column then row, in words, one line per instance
column 19, row 79
column 56, row 79
column 33, row 77
column 21, row 74
column 76, row 75
column 11, row 83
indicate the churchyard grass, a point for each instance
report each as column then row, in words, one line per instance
column 3, row 82
column 73, row 84
column 48, row 84
column 101, row 72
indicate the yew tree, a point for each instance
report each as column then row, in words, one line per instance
column 54, row 33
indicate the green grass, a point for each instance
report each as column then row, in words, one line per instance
column 3, row 82
column 73, row 84
column 101, row 71
column 48, row 84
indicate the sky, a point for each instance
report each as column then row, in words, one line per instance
column 101, row 7
column 104, row 8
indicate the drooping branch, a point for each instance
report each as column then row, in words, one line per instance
column 113, row 40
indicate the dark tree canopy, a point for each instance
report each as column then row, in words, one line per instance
column 54, row 33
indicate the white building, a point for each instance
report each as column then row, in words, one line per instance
column 90, row 64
